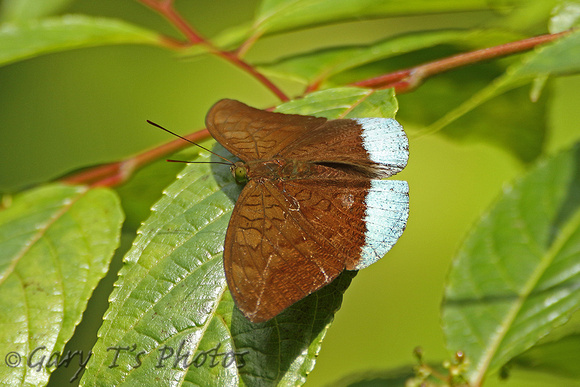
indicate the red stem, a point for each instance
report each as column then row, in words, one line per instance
column 116, row 173
column 166, row 9
column 408, row 79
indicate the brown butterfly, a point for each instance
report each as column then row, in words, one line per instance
column 313, row 204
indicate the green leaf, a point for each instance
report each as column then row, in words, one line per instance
column 28, row 40
column 322, row 64
column 516, row 277
column 284, row 15
column 344, row 102
column 488, row 113
column 56, row 243
column 172, row 293
column 23, row 10
column 559, row 58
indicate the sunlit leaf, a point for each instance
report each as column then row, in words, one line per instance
column 20, row 41
column 517, row 275
column 56, row 243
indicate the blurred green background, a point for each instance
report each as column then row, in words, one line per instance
column 86, row 107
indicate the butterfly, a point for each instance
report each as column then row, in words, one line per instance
column 313, row 204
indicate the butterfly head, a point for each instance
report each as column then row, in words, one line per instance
column 240, row 172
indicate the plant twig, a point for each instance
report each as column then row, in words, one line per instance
column 116, row 173
column 166, row 9
column 409, row 79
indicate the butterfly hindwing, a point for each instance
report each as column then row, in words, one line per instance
column 285, row 231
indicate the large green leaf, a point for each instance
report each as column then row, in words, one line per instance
column 24, row 40
column 22, row 10
column 56, row 243
column 516, row 277
column 172, row 291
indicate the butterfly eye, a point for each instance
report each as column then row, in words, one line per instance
column 240, row 174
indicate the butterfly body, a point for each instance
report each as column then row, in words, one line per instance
column 312, row 205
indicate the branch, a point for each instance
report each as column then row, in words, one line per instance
column 113, row 174
column 165, row 8
column 409, row 79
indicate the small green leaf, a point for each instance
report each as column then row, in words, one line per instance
column 516, row 277
column 33, row 38
column 559, row 58
column 344, row 102
column 23, row 10
column 56, row 243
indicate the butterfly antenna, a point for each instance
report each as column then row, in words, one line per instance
column 191, row 142
column 196, row 162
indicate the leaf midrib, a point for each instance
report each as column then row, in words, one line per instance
column 67, row 205
column 565, row 234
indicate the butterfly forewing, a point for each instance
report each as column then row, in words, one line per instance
column 377, row 146
column 253, row 134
